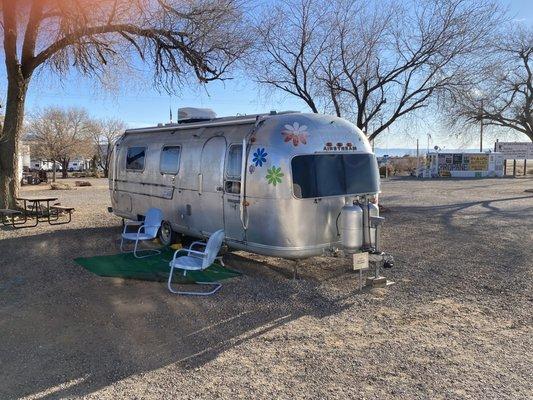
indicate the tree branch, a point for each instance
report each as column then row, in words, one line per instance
column 156, row 35
column 30, row 36
column 10, row 36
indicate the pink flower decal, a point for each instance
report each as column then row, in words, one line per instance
column 295, row 133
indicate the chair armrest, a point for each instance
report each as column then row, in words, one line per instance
column 185, row 251
column 131, row 223
column 203, row 244
column 143, row 227
column 126, row 223
column 147, row 226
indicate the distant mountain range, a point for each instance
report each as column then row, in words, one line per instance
column 400, row 152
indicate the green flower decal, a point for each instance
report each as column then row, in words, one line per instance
column 274, row 175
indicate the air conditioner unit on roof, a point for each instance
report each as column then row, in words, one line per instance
column 195, row 114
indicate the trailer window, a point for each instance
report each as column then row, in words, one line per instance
column 135, row 158
column 233, row 169
column 170, row 160
column 234, row 163
column 334, row 175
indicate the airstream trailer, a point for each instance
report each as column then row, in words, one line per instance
column 289, row 184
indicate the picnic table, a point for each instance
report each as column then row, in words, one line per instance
column 34, row 207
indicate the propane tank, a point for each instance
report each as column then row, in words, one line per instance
column 352, row 227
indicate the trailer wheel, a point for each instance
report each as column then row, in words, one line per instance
column 166, row 235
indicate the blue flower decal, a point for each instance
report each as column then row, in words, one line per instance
column 259, row 157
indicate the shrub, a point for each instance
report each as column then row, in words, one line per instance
column 389, row 168
column 60, row 186
column 82, row 183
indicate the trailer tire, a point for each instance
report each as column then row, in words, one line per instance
column 166, row 235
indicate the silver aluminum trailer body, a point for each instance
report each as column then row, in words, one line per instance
column 282, row 197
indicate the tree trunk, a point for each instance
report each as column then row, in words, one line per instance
column 107, row 160
column 64, row 168
column 93, row 165
column 106, row 164
column 9, row 140
column 53, row 170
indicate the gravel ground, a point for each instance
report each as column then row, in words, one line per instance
column 457, row 324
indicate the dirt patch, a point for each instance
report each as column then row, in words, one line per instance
column 457, row 324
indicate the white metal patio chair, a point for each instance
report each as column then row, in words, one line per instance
column 197, row 261
column 147, row 231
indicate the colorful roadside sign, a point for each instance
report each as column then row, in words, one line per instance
column 479, row 162
column 464, row 165
column 515, row 150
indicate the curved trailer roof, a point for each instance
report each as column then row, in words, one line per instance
column 223, row 121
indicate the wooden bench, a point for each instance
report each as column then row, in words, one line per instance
column 8, row 216
column 57, row 210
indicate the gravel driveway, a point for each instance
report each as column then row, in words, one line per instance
column 457, row 324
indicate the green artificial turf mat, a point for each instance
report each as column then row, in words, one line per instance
column 153, row 268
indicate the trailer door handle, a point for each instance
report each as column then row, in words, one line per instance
column 200, row 183
column 236, row 201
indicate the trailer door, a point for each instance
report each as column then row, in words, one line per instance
column 232, row 194
column 210, row 185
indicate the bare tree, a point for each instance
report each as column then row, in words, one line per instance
column 104, row 134
column 291, row 40
column 372, row 62
column 199, row 36
column 58, row 135
column 502, row 92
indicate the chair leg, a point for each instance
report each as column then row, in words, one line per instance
column 135, row 248
column 216, row 285
column 122, row 245
column 151, row 252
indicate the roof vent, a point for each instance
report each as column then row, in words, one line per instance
column 191, row 114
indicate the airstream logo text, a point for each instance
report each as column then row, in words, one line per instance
column 339, row 147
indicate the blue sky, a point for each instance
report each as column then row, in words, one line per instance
column 139, row 104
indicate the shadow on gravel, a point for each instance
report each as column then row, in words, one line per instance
column 447, row 212
column 66, row 332
column 466, row 248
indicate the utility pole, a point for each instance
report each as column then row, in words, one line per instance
column 417, row 158
column 481, row 128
